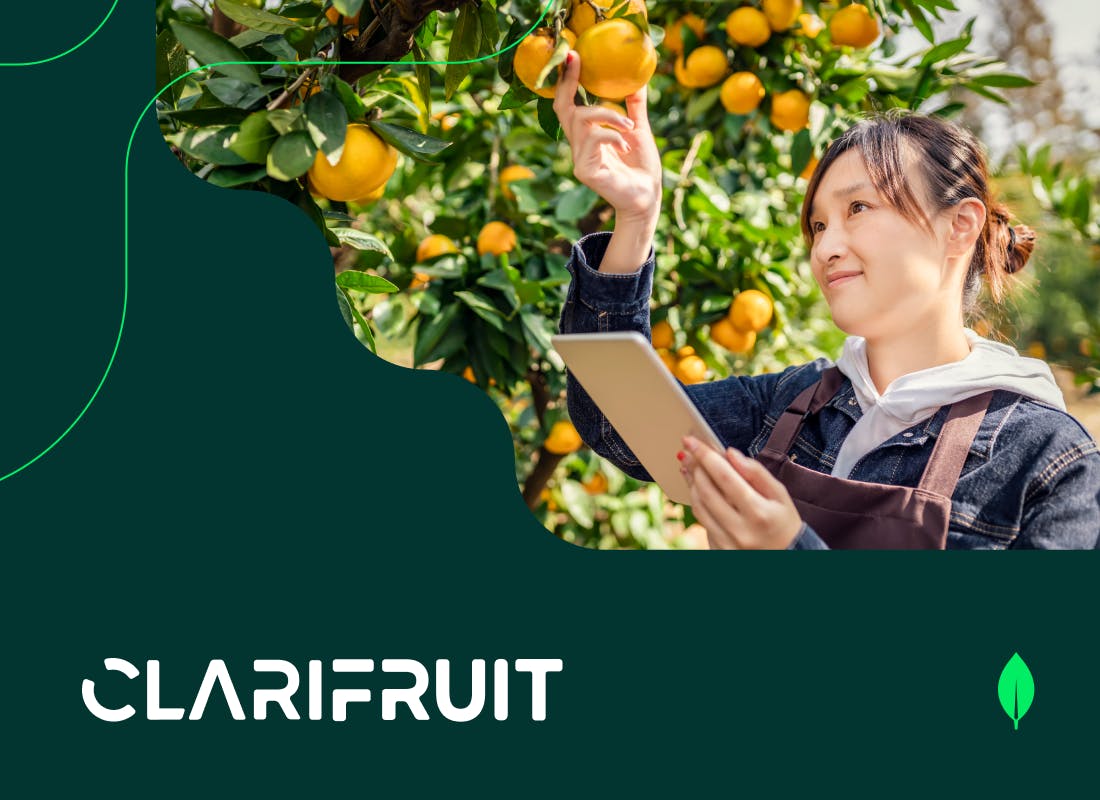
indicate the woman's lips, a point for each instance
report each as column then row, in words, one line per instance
column 842, row 278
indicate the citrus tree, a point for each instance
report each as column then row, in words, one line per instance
column 441, row 181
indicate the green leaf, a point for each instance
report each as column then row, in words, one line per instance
column 548, row 120
column 535, row 330
column 919, row 20
column 327, row 123
column 428, row 335
column 254, row 139
column 291, row 156
column 349, row 8
column 171, row 63
column 944, row 51
column 353, row 103
column 575, row 203
column 1003, row 80
column 229, row 177
column 365, row 334
column 362, row 282
column 344, row 304
column 286, row 120
column 423, row 77
column 209, row 144
column 208, row 48
column 414, row 144
column 1016, row 689
column 255, row 18
column 483, row 307
column 209, row 117
column 802, row 149
column 465, row 41
column 361, row 241
column 233, row 92
column 578, row 503
column 498, row 279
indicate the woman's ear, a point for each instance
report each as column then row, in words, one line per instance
column 967, row 222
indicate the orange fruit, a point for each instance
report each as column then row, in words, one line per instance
column 691, row 369
column 435, row 245
column 748, row 26
column 725, row 334
column 582, row 16
column 674, row 38
column 496, row 238
column 741, row 93
column 1037, row 350
column 704, row 67
column 810, row 25
column 781, row 14
column 791, row 110
column 366, row 164
column 617, row 59
column 419, row 281
column 532, row 55
column 808, row 170
column 662, row 335
column 349, row 22
column 751, row 311
column 668, row 359
column 468, row 374
column 597, row 484
column 853, row 26
column 563, row 438
column 515, row 172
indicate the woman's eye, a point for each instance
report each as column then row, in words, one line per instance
column 817, row 227
column 858, row 206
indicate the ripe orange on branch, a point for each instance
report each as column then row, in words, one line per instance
column 674, row 37
column 751, row 311
column 366, row 164
column 435, row 245
column 781, row 14
column 853, row 26
column 532, row 56
column 791, row 110
column 617, row 59
column 703, row 67
column 748, row 26
column 514, row 172
column 741, row 93
column 582, row 15
column 562, row 439
column 724, row 333
column 496, row 238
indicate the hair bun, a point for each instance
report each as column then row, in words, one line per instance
column 1021, row 241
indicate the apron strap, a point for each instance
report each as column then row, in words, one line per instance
column 811, row 400
column 945, row 465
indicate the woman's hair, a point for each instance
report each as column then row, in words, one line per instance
column 953, row 165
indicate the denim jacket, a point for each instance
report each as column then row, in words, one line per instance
column 1031, row 479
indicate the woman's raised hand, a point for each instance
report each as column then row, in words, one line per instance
column 619, row 163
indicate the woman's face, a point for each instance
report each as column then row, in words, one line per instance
column 882, row 274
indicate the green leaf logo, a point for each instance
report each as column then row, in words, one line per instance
column 1016, row 689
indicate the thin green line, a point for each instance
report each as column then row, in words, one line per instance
column 126, row 199
column 86, row 39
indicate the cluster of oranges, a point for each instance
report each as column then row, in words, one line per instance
column 750, row 312
column 742, row 92
column 617, row 57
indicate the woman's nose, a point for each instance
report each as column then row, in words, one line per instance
column 830, row 244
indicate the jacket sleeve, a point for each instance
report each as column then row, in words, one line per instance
column 808, row 539
column 597, row 302
column 1062, row 506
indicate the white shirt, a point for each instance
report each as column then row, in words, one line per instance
column 917, row 396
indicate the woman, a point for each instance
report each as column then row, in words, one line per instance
column 923, row 435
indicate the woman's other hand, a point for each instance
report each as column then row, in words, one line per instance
column 741, row 504
column 620, row 163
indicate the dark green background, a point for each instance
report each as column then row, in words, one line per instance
column 252, row 483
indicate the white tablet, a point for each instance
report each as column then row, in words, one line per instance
column 634, row 389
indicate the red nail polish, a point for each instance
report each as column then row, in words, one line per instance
column 680, row 456
column 568, row 59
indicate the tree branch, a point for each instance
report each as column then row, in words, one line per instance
column 392, row 38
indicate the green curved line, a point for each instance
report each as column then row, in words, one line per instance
column 75, row 47
column 126, row 201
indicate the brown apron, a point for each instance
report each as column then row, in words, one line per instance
column 849, row 514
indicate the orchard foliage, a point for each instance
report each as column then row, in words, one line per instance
column 279, row 82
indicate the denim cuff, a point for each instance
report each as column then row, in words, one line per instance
column 626, row 293
column 807, row 539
